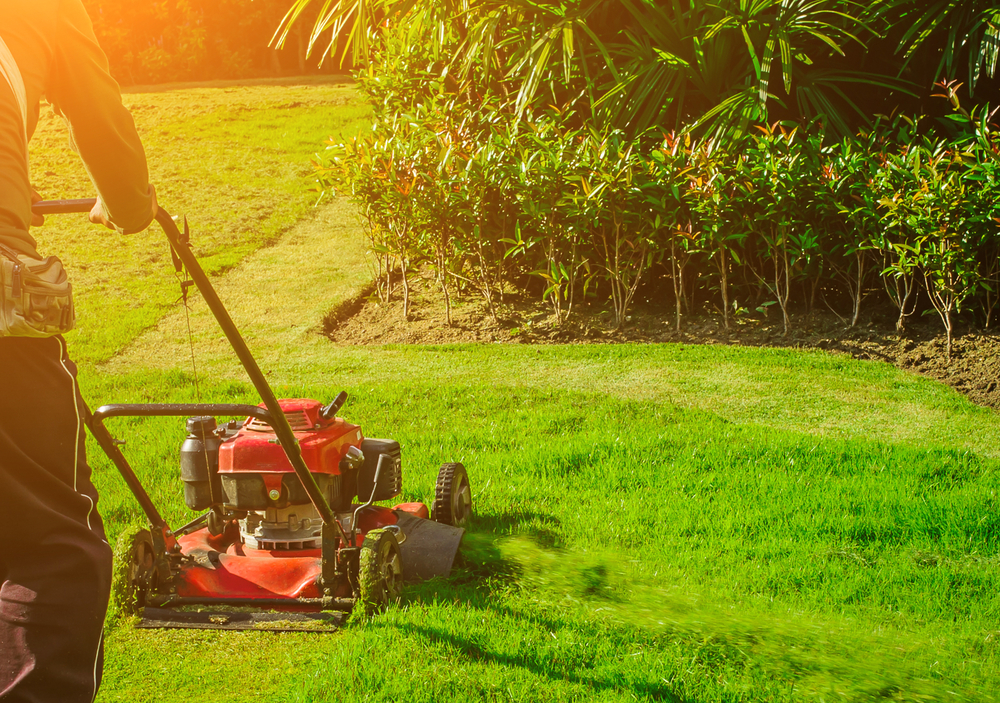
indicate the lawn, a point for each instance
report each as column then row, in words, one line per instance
column 655, row 522
column 237, row 159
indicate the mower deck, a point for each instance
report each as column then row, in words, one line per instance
column 218, row 582
column 213, row 565
column 169, row 618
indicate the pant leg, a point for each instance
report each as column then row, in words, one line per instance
column 55, row 563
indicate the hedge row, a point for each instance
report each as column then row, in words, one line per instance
column 488, row 202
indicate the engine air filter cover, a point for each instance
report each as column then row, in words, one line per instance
column 322, row 443
column 391, row 485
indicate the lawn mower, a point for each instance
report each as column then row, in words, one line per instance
column 289, row 536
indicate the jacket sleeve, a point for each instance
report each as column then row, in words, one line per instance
column 101, row 129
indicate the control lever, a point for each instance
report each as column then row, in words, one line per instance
column 331, row 410
column 383, row 460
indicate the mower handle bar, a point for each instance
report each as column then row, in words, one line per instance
column 85, row 205
column 277, row 421
column 63, row 207
column 181, row 410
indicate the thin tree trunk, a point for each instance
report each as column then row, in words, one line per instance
column 724, row 274
column 905, row 290
column 486, row 282
column 611, row 262
column 571, row 283
column 406, row 289
column 388, row 278
column 783, row 297
column 814, row 288
column 859, row 255
column 943, row 304
column 441, row 263
column 447, row 301
column 678, row 279
column 991, row 290
column 782, row 281
column 948, row 327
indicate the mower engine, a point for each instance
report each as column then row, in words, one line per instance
column 257, row 477
column 248, row 470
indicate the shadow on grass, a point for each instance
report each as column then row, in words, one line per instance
column 642, row 689
column 479, row 580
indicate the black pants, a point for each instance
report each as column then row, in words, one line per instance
column 55, row 563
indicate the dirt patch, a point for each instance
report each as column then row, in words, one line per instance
column 974, row 367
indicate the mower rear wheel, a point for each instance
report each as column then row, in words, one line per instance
column 134, row 571
column 380, row 571
column 453, row 496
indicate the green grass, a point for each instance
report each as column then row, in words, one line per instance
column 654, row 522
column 236, row 158
column 632, row 547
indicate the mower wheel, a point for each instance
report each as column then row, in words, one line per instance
column 380, row 571
column 452, row 496
column 134, row 571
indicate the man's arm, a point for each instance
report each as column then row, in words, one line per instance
column 102, row 130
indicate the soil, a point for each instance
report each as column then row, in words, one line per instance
column 973, row 369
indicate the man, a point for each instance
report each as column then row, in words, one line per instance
column 55, row 563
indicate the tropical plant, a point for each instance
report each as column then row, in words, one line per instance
column 495, row 162
column 348, row 170
column 629, row 64
column 933, row 206
column 380, row 174
column 776, row 180
column 666, row 177
column 850, row 211
column 547, row 188
column 493, row 213
column 714, row 178
column 618, row 214
column 956, row 33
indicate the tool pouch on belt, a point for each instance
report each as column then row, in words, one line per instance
column 36, row 298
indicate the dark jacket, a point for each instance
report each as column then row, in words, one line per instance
column 55, row 48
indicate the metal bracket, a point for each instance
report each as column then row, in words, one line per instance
column 161, row 545
column 330, row 574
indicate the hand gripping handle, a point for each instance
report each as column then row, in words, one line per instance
column 85, row 205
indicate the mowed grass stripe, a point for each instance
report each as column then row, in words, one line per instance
column 278, row 298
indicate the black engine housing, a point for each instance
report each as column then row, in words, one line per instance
column 391, row 485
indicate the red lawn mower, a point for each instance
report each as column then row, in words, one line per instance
column 289, row 537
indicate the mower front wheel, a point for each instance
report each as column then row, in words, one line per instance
column 380, row 571
column 453, row 496
column 134, row 572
